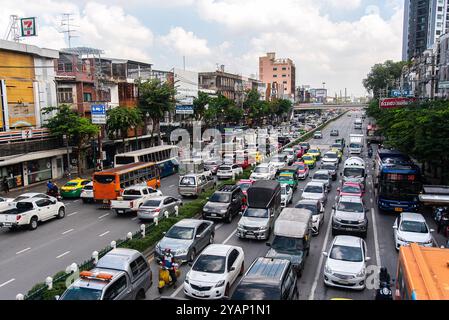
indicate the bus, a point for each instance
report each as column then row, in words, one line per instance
column 422, row 273
column 109, row 184
column 166, row 158
column 398, row 182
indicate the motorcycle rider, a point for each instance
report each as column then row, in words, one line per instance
column 384, row 291
column 168, row 262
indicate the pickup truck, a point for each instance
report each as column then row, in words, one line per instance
column 30, row 212
column 133, row 198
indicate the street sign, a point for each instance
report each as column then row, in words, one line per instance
column 443, row 85
column 27, row 134
column 28, row 26
column 389, row 103
column 98, row 113
column 184, row 109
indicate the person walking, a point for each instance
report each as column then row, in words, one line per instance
column 5, row 185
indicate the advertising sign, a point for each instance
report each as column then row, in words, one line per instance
column 28, row 26
column 181, row 109
column 98, row 113
column 389, row 103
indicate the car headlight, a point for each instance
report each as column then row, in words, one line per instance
column 240, row 226
column 401, row 239
column 362, row 220
column 263, row 228
column 206, row 209
column 223, row 211
column 327, row 269
column 187, row 280
column 220, row 284
column 337, row 219
column 158, row 248
column 361, row 273
column 315, row 218
column 181, row 252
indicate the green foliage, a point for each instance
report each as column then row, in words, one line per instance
column 199, row 105
column 120, row 119
column 383, row 76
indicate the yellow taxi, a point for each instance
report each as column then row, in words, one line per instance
column 339, row 153
column 73, row 188
column 309, row 160
column 316, row 152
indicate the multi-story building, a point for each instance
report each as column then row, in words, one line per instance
column 443, row 74
column 279, row 75
column 227, row 84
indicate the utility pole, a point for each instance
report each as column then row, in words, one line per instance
column 13, row 31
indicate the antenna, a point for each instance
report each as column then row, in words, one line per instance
column 66, row 21
column 13, row 31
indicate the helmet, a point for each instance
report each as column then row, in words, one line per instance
column 167, row 251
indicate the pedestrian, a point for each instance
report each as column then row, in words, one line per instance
column 5, row 185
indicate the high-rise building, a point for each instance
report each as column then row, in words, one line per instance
column 279, row 75
column 424, row 22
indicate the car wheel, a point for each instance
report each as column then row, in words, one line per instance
column 242, row 269
column 33, row 223
column 140, row 295
column 226, row 293
column 334, row 232
column 229, row 218
column 84, row 200
column 61, row 213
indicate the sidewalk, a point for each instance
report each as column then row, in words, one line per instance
column 42, row 186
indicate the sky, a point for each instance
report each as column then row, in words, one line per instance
column 331, row 41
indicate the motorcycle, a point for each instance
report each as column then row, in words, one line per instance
column 165, row 279
column 384, row 291
column 370, row 153
column 54, row 193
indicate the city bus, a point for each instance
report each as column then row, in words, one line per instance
column 109, row 184
column 422, row 273
column 166, row 158
column 398, row 182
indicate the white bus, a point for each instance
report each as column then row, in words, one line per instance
column 166, row 157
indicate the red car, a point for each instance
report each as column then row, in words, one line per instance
column 303, row 170
column 351, row 189
column 245, row 185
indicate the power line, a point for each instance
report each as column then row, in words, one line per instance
column 66, row 21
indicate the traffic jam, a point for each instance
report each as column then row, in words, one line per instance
column 310, row 221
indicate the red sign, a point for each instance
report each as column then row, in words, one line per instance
column 389, row 103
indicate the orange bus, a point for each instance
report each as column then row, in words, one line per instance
column 109, row 184
column 422, row 273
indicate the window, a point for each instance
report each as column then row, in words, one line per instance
column 87, row 97
column 275, row 75
column 275, row 69
column 232, row 257
column 284, row 76
column 138, row 266
column 116, row 288
column 43, row 203
column 201, row 228
column 65, row 95
column 284, row 68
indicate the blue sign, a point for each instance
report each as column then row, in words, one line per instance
column 181, row 109
column 98, row 109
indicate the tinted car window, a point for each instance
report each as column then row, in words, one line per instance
column 115, row 289
column 232, row 257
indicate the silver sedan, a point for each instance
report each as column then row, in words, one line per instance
column 158, row 207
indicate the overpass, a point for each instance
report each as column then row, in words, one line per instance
column 311, row 106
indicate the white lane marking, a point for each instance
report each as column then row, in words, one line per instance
column 230, row 236
column 177, row 291
column 135, row 218
column 336, row 197
column 103, row 234
column 320, row 263
column 376, row 241
column 7, row 282
column 77, row 200
column 63, row 254
column 218, row 226
column 72, row 214
column 105, row 215
column 22, row 251
column 65, row 232
column 371, row 200
column 172, row 186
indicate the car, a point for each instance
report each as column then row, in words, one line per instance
column 349, row 216
column 263, row 171
column 212, row 165
column 331, row 168
column 268, row 279
column 30, row 195
column 315, row 191
column 335, row 133
column 6, row 202
column 214, row 272
column 351, row 189
column 305, row 146
column 121, row 274
column 288, row 177
column 229, row 171
column 299, row 151
column 133, row 198
column 73, row 188
column 224, row 204
column 245, row 184
column 158, row 207
column 186, row 239
column 286, row 195
column 341, row 141
column 279, row 161
column 318, row 135
column 345, row 266
column 195, row 184
column 412, row 227
column 291, row 155
column 309, row 160
column 332, row 157
column 322, row 176
column 303, row 170
column 316, row 152
column 317, row 209
column 87, row 193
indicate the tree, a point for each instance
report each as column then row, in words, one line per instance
column 199, row 105
column 383, row 76
column 77, row 129
column 120, row 119
column 155, row 98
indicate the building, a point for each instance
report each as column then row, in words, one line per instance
column 424, row 22
column 443, row 65
column 221, row 82
column 279, row 75
column 318, row 95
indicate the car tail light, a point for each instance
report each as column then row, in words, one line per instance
column 157, row 210
column 131, row 204
column 18, row 217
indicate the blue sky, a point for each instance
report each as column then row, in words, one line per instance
column 335, row 41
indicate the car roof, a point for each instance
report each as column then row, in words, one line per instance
column 191, row 222
column 97, row 284
column 322, row 172
column 31, row 194
column 308, row 201
column 412, row 216
column 266, row 270
column 31, row 200
column 351, row 199
column 118, row 259
column 315, row 183
column 218, row 249
column 349, row 241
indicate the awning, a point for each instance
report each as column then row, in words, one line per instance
column 7, row 161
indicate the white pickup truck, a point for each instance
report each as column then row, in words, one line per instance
column 30, row 212
column 133, row 198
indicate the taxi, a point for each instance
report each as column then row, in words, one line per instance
column 73, row 188
column 287, row 177
column 316, row 152
column 309, row 160
column 339, row 153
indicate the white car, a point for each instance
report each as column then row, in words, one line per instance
column 33, row 195
column 29, row 212
column 317, row 209
column 322, row 176
column 263, row 171
column 315, row 191
column 290, row 153
column 332, row 157
column 345, row 266
column 87, row 193
column 229, row 171
column 412, row 227
column 286, row 195
column 278, row 161
column 214, row 272
column 6, row 202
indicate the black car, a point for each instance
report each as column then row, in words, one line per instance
column 268, row 279
column 283, row 140
column 224, row 204
column 305, row 146
column 335, row 133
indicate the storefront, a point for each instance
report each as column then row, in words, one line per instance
column 39, row 170
column 14, row 175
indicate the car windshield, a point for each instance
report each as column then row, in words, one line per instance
column 220, row 197
column 351, row 189
column 24, row 206
column 132, row 192
column 182, row 233
column 256, row 213
column 350, row 206
column 301, row 167
column 320, row 176
column 187, row 181
column 259, row 291
column 287, row 244
column 152, row 203
column 261, row 170
column 225, row 168
column 81, row 293
column 414, row 226
column 210, row 163
column 331, row 155
column 210, row 264
column 20, row 198
column 313, row 189
column 308, row 158
column 328, row 167
column 336, row 145
column 245, row 186
column 284, row 177
column 88, row 187
column 354, row 172
column 277, row 159
column 345, row 253
column 354, row 145
column 314, row 151
column 312, row 207
column 71, row 184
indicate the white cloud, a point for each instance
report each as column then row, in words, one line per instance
column 185, row 42
column 345, row 4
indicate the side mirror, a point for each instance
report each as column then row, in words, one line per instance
column 432, row 230
column 341, row 174
column 57, row 297
column 334, row 207
column 164, row 233
column 325, row 254
column 232, row 269
column 395, row 227
column 367, row 259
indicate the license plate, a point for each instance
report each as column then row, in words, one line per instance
column 121, row 211
column 200, row 293
column 213, row 214
column 398, row 209
column 7, row 224
column 250, row 233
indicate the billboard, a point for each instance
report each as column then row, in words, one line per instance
column 389, row 103
column 28, row 27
